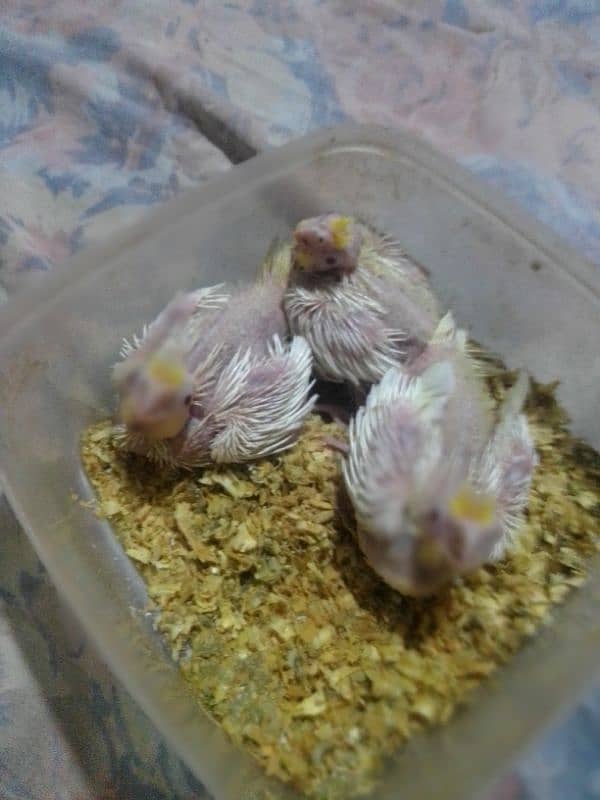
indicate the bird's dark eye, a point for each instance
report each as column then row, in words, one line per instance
column 321, row 240
column 187, row 399
column 330, row 261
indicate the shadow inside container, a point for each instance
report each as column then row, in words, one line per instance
column 414, row 619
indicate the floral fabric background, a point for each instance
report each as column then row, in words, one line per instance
column 108, row 107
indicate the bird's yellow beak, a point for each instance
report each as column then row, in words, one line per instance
column 163, row 428
column 430, row 555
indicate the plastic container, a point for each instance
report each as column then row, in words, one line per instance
column 522, row 293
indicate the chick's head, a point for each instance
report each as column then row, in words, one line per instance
column 454, row 537
column 155, row 395
column 419, row 543
column 327, row 243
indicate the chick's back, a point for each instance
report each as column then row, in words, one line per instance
column 251, row 318
column 402, row 288
column 468, row 419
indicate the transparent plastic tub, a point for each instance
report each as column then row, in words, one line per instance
column 522, row 293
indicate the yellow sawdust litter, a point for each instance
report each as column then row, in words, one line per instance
column 285, row 635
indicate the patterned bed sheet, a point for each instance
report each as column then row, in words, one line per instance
column 108, row 107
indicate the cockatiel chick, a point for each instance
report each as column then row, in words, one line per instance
column 213, row 378
column 361, row 304
column 437, row 488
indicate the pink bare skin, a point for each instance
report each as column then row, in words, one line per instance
column 317, row 248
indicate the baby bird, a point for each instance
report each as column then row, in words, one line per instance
column 437, row 489
column 213, row 378
column 361, row 304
